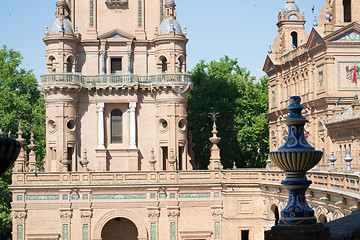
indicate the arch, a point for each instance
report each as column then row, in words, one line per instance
column 337, row 214
column 164, row 64
column 294, row 39
column 119, row 227
column 51, row 64
column 347, row 10
column 181, row 64
column 275, row 214
column 116, row 127
column 142, row 231
column 70, row 63
column 321, row 214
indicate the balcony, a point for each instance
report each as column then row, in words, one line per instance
column 87, row 81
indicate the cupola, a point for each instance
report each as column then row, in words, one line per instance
column 61, row 22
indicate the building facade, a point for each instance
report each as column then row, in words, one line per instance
column 319, row 68
column 119, row 164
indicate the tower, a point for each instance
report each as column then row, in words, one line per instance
column 291, row 29
column 115, row 86
column 337, row 14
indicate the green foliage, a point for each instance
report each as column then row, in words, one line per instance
column 19, row 97
column 242, row 103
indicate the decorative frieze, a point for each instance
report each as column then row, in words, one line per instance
column 118, row 196
column 194, row 195
column 217, row 230
column 173, row 230
column 42, row 197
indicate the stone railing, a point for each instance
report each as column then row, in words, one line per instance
column 294, row 53
column 79, row 80
column 348, row 182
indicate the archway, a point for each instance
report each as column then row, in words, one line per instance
column 275, row 216
column 322, row 219
column 119, row 228
column 122, row 214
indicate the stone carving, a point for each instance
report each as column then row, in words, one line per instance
column 153, row 214
column 65, row 214
column 86, row 214
column 18, row 215
column 350, row 72
column 173, row 212
column 217, row 212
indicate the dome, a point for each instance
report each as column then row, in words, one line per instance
column 56, row 26
column 165, row 26
column 170, row 1
column 290, row 6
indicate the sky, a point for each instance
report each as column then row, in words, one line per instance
column 241, row 29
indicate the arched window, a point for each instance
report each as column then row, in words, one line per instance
column 294, row 39
column 164, row 65
column 70, row 63
column 347, row 10
column 116, row 126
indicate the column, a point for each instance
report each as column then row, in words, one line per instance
column 101, row 135
column 132, row 107
column 86, row 215
column 217, row 213
column 65, row 218
column 153, row 216
column 173, row 214
column 103, row 63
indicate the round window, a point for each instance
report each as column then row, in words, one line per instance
column 163, row 124
column 182, row 124
column 71, row 124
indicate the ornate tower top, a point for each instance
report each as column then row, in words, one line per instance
column 61, row 22
column 170, row 24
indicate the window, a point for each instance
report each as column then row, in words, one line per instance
column 70, row 63
column 347, row 10
column 164, row 65
column 244, row 234
column 116, row 126
column 294, row 37
column 116, row 65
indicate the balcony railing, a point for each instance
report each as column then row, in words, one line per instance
column 79, row 80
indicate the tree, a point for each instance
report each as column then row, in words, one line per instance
column 225, row 88
column 20, row 98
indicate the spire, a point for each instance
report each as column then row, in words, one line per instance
column 19, row 165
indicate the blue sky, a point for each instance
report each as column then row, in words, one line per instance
column 241, row 29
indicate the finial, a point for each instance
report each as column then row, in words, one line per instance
column 84, row 161
column 348, row 159
column 20, row 139
column 234, row 166
column 46, row 29
column 332, row 160
column 172, row 160
column 327, row 15
column 32, row 157
column 268, row 163
column 185, row 30
column 152, row 160
column 215, row 160
column 270, row 50
column 315, row 24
